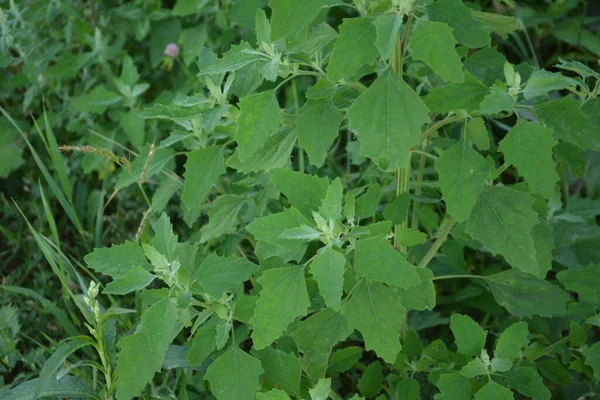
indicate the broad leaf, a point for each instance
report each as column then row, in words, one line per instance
column 290, row 17
column 283, row 297
column 585, row 281
column 387, row 118
column 328, row 270
column 592, row 358
column 354, row 47
column 542, row 82
column 321, row 390
column 234, row 375
column 502, row 219
column 331, row 205
column 421, row 296
column 117, row 261
column 96, row 101
column 467, row 96
column 202, row 170
column 433, row 43
column 318, row 126
column 467, row 30
column 136, row 279
column 203, row 344
column 142, row 353
column 387, row 27
column 375, row 311
column 528, row 146
column 237, row 57
column 282, row 370
column 66, row 387
column 526, row 381
column 492, row 390
column 453, row 387
column 220, row 274
column 468, row 335
column 462, row 174
column 222, row 217
column 497, row 101
column 304, row 191
column 511, row 341
column 377, row 260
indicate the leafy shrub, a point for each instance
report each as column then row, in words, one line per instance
column 310, row 199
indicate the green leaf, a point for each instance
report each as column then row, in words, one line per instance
column 328, row 270
column 118, row 260
column 237, row 57
column 220, row 274
column 318, row 126
column 492, row 390
column 502, row 219
column 496, row 101
column 541, row 82
column 554, row 371
column 375, row 311
column 354, row 47
column 316, row 335
column 468, row 335
column 234, row 375
column 526, row 381
column 528, row 146
column 262, row 27
column 433, row 43
column 585, row 281
column 367, row 203
column 486, row 65
column 453, row 387
column 387, row 27
column 267, row 231
column 387, row 118
column 421, row 296
column 524, row 295
column 259, row 115
column 474, row 368
column 321, row 390
column 369, row 383
column 467, row 30
column 136, row 279
column 331, row 205
column 142, row 353
column 274, row 394
column 222, row 217
column 304, row 191
column 408, row 389
column 164, row 240
column 467, row 96
column 397, row 211
column 409, row 237
column 282, row 370
column 56, row 360
column 290, row 17
column 498, row 23
column 377, row 260
column 462, row 175
column 203, row 344
column 202, row 170
column 96, row 101
column 571, row 155
column 275, row 153
column 283, row 297
column 188, row 7
column 592, row 358
column 569, row 123
column 343, row 359
column 66, row 387
column 511, row 341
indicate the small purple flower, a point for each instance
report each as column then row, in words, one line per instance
column 172, row 50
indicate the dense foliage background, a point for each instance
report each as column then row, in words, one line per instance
column 117, row 117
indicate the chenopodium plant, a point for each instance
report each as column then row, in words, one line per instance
column 293, row 277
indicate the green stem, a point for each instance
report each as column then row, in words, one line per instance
column 418, row 185
column 446, row 229
column 438, row 125
column 439, row 278
column 296, row 111
column 402, row 44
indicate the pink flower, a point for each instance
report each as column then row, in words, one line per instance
column 172, row 50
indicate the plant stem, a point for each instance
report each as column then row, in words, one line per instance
column 438, row 125
column 418, row 185
column 296, row 110
column 446, row 229
column 439, row 278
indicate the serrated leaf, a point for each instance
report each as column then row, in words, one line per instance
column 375, row 311
column 421, row 296
column 453, row 387
column 96, row 101
column 222, row 217
column 387, row 27
column 397, row 211
column 433, row 43
column 478, row 134
column 331, row 205
column 354, row 47
column 318, row 126
column 321, row 390
column 502, row 219
column 524, row 295
column 293, row 16
column 303, row 191
column 387, row 118
column 528, row 146
column 409, row 237
column 486, row 65
column 467, row 30
column 492, row 390
column 526, row 381
column 203, row 344
column 202, row 170
column 259, row 115
column 585, row 281
column 569, row 123
column 453, row 96
column 328, row 270
column 283, row 297
column 511, row 341
column 117, row 261
column 468, row 335
column 592, row 358
column 496, row 101
column 369, row 383
column 164, row 240
column 462, row 175
column 237, row 57
column 136, row 279
column 234, row 375
column 377, row 260
column 554, row 371
column 219, row 274
column 541, row 82
column 316, row 335
column 498, row 23
column 408, row 389
column 474, row 368
column 282, row 370
column 343, row 359
column 142, row 353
